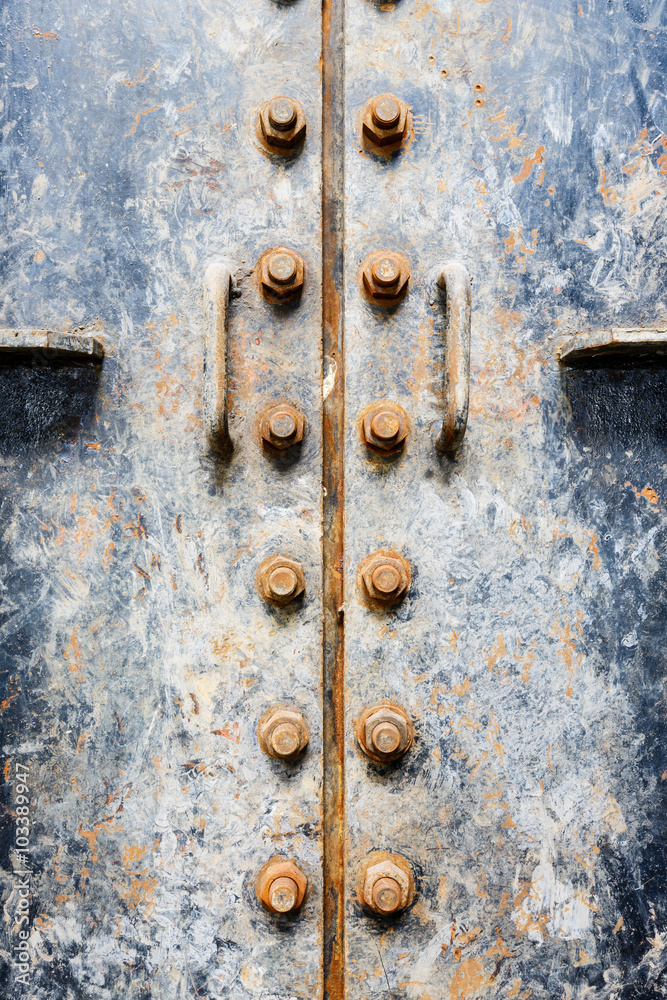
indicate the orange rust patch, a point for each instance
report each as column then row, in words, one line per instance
column 528, row 164
column 49, row 36
column 608, row 193
column 469, row 979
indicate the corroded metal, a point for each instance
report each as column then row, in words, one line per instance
column 529, row 652
column 138, row 657
column 385, row 275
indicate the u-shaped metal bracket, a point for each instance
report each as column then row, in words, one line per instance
column 455, row 282
column 217, row 285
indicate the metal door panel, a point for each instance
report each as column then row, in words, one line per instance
column 138, row 657
column 529, row 648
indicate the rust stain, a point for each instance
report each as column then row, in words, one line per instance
column 528, row 164
column 49, row 36
column 469, row 979
column 140, row 114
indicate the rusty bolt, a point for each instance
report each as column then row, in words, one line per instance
column 281, row 426
column 282, row 123
column 384, row 427
column 387, row 886
column 385, row 120
column 284, row 734
column 385, row 576
column 280, row 579
column 384, row 732
column 281, row 886
column 281, row 274
column 385, row 276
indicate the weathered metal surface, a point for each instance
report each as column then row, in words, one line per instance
column 529, row 650
column 162, row 697
column 137, row 657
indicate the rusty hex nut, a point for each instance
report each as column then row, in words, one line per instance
column 384, row 732
column 281, row 274
column 282, row 123
column 385, row 275
column 384, row 427
column 284, row 735
column 281, row 886
column 280, row 579
column 282, row 425
column 385, row 576
column 385, row 120
column 387, row 887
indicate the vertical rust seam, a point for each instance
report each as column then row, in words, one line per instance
column 333, row 436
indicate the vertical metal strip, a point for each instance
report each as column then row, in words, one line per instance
column 333, row 430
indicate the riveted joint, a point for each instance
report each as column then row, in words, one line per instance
column 384, row 427
column 385, row 276
column 281, row 273
column 283, row 733
column 386, row 884
column 281, row 885
column 282, row 124
column 384, row 577
column 282, row 425
column 385, row 121
column 384, row 732
column 280, row 579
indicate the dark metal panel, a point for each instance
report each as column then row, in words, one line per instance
column 137, row 658
column 529, row 649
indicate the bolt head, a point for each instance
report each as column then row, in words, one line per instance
column 386, row 577
column 385, row 276
column 283, row 894
column 281, row 274
column 282, row 113
column 384, row 427
column 282, row 425
column 281, row 885
column 282, row 124
column 386, row 271
column 284, row 734
column 387, row 886
column 386, row 895
column 385, row 732
column 385, row 121
column 386, row 738
column 274, row 579
column 386, row 111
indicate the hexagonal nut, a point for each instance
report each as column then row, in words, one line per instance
column 281, row 425
column 281, row 272
column 283, row 733
column 401, row 886
column 385, row 576
column 283, row 870
column 280, row 579
column 385, row 120
column 384, row 732
column 385, row 276
column 384, row 427
column 282, row 124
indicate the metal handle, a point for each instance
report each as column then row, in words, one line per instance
column 455, row 281
column 217, row 284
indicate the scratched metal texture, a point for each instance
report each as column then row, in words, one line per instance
column 137, row 658
column 530, row 650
